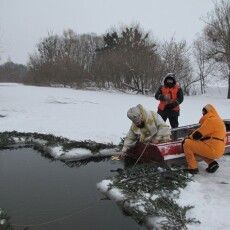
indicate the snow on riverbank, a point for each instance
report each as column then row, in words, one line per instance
column 83, row 115
column 101, row 116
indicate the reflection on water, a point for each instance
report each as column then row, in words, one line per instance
column 35, row 190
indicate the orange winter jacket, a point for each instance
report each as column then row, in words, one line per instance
column 213, row 130
column 172, row 93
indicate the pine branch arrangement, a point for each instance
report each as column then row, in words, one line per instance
column 151, row 192
column 5, row 221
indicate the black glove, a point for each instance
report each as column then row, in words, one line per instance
column 162, row 97
column 197, row 135
column 171, row 105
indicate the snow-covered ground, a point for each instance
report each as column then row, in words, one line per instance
column 101, row 116
column 81, row 115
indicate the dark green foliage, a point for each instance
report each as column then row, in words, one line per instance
column 111, row 40
column 128, row 60
column 120, row 145
column 10, row 140
column 7, row 138
column 78, row 163
column 175, row 215
column 5, row 224
column 154, row 189
column 148, row 178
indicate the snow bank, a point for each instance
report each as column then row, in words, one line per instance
column 101, row 116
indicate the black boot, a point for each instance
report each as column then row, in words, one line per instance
column 192, row 171
column 212, row 167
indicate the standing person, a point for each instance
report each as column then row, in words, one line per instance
column 146, row 126
column 170, row 96
column 207, row 142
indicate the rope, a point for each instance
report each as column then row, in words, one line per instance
column 141, row 154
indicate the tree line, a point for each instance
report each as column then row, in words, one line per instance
column 128, row 58
column 12, row 72
column 124, row 59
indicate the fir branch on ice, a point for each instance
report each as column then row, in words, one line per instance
column 151, row 191
column 59, row 148
column 7, row 138
column 5, row 221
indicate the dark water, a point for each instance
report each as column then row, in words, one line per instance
column 35, row 190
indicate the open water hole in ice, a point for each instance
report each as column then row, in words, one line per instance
column 35, row 190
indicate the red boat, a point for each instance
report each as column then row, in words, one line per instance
column 167, row 151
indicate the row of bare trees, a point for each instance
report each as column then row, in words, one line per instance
column 125, row 58
column 128, row 58
column 212, row 48
column 11, row 72
column 64, row 59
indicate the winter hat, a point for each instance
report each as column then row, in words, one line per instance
column 170, row 80
column 134, row 114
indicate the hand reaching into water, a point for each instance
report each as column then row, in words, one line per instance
column 120, row 155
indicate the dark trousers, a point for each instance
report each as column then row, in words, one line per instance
column 171, row 115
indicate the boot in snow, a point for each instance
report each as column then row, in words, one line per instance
column 212, row 167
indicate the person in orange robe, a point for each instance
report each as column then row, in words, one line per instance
column 207, row 142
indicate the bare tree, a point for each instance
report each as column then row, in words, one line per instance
column 0, row 42
column 204, row 67
column 86, row 49
column 176, row 58
column 70, row 71
column 12, row 72
column 217, row 35
column 42, row 64
column 60, row 60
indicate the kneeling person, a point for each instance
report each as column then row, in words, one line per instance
column 207, row 142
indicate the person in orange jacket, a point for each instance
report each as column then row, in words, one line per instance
column 207, row 142
column 170, row 96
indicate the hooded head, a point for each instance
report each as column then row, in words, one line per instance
column 209, row 109
column 204, row 111
column 170, row 80
column 136, row 116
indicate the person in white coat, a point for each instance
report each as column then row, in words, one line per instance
column 147, row 126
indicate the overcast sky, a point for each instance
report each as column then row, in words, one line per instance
column 24, row 22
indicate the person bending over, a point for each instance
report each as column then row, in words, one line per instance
column 147, row 126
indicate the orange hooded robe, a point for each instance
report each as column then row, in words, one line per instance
column 212, row 144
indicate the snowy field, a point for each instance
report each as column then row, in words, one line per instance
column 82, row 115
column 101, row 116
